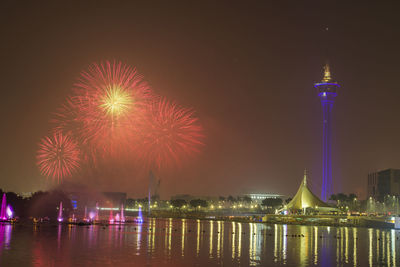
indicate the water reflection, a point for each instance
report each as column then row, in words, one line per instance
column 183, row 236
column 186, row 242
column 393, row 246
column 211, row 238
column 220, row 238
column 5, row 236
column 254, row 243
column 198, row 238
column 239, row 240
column 151, row 230
column 138, row 238
column 355, row 238
column 233, row 239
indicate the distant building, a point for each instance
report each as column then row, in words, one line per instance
column 372, row 185
column 259, row 197
column 383, row 183
column 89, row 199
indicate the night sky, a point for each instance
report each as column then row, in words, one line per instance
column 247, row 69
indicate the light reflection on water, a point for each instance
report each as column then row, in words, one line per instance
column 175, row 242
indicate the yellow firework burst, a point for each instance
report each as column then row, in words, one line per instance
column 116, row 101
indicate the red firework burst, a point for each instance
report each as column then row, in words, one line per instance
column 110, row 98
column 169, row 134
column 58, row 156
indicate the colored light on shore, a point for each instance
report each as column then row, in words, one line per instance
column 9, row 212
column 92, row 215
column 139, row 219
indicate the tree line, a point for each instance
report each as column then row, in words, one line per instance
column 39, row 205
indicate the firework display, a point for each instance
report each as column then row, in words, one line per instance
column 109, row 98
column 58, row 156
column 113, row 113
column 169, row 134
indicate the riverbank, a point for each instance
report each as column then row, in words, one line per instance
column 331, row 220
column 317, row 220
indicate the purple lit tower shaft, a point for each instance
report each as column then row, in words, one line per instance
column 327, row 93
column 327, row 150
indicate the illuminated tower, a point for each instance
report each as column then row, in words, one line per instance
column 327, row 92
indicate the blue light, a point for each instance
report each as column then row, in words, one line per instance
column 74, row 204
column 327, row 93
column 323, row 84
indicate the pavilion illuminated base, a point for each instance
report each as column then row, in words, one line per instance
column 306, row 200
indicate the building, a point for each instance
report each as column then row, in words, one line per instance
column 372, row 185
column 383, row 183
column 260, row 197
column 327, row 93
column 82, row 199
column 305, row 199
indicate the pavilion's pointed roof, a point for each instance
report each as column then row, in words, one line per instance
column 304, row 198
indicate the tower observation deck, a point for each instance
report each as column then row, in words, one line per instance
column 327, row 93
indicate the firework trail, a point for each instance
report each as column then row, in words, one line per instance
column 169, row 134
column 58, row 156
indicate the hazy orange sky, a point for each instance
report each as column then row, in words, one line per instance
column 247, row 69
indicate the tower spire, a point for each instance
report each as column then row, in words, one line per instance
column 327, row 73
column 305, row 177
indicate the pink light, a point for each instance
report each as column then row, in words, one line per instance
column 111, row 217
column 9, row 212
column 92, row 215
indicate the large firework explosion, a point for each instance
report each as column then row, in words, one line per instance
column 169, row 135
column 58, row 156
column 110, row 98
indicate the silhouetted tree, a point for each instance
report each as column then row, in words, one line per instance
column 231, row 199
column 341, row 197
column 352, row 196
column 45, row 204
column 198, row 202
column 18, row 204
column 178, row 203
column 130, row 202
column 247, row 199
column 272, row 202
